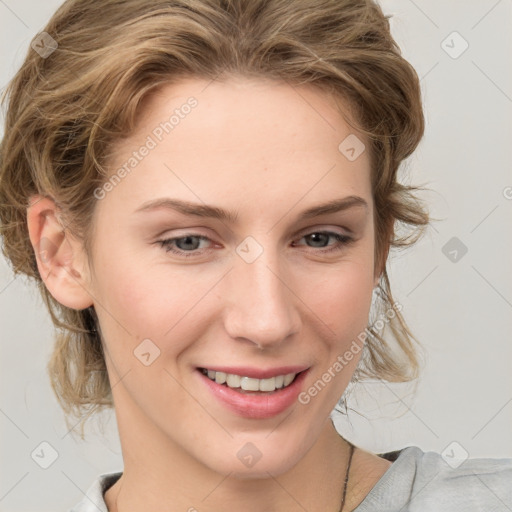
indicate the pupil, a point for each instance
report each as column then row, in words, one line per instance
column 187, row 240
column 316, row 235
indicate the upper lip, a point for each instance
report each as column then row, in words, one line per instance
column 257, row 373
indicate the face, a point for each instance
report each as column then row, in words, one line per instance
column 211, row 263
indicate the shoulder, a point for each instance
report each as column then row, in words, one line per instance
column 94, row 500
column 424, row 481
column 478, row 483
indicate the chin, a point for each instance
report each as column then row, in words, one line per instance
column 258, row 457
column 275, row 466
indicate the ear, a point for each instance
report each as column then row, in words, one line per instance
column 60, row 257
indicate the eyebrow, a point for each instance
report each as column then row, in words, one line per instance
column 204, row 210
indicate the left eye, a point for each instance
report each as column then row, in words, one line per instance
column 188, row 245
column 322, row 236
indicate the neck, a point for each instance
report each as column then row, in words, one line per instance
column 159, row 475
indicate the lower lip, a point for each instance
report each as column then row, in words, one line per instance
column 256, row 406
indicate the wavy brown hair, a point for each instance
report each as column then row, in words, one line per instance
column 64, row 111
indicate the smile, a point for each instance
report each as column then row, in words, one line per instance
column 248, row 383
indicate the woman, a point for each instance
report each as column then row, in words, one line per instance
column 206, row 193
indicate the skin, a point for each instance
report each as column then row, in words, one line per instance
column 266, row 151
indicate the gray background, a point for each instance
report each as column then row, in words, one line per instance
column 460, row 310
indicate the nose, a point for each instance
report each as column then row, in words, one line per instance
column 259, row 304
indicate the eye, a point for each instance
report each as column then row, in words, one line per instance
column 189, row 245
column 320, row 238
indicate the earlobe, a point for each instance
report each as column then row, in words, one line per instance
column 59, row 256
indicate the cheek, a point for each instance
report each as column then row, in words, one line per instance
column 343, row 306
column 157, row 302
column 343, row 298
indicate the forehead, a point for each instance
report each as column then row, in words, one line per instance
column 268, row 108
column 252, row 138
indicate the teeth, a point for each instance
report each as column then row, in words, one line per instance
column 267, row 384
column 220, row 377
column 248, row 383
column 288, row 379
column 233, row 381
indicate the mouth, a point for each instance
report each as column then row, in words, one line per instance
column 254, row 393
column 250, row 385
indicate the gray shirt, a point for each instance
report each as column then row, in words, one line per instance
column 417, row 481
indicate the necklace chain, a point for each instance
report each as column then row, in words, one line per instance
column 347, row 476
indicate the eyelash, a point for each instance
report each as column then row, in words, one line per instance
column 342, row 241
